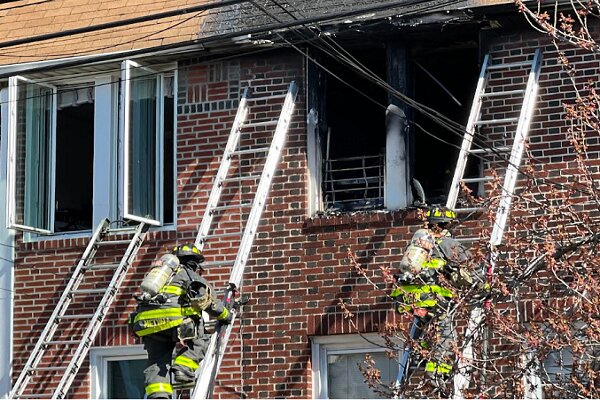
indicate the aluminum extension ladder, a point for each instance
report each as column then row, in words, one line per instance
column 244, row 153
column 45, row 359
column 477, row 119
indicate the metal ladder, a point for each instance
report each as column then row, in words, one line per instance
column 477, row 119
column 47, row 359
column 243, row 153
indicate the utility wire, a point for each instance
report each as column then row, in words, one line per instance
column 59, row 41
column 267, row 29
column 444, row 121
column 123, row 22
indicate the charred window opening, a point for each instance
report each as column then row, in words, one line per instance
column 444, row 81
column 353, row 146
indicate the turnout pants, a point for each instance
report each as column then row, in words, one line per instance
column 162, row 361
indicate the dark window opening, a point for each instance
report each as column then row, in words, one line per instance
column 168, row 180
column 436, row 148
column 74, row 167
column 354, row 143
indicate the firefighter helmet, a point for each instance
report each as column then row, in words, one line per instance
column 440, row 215
column 188, row 252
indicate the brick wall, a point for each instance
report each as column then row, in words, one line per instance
column 299, row 267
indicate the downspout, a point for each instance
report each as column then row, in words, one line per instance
column 7, row 256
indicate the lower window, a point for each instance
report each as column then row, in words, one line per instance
column 117, row 372
column 335, row 362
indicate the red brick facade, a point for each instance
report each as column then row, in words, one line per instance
column 299, row 266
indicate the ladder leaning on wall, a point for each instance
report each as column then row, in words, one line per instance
column 239, row 193
column 53, row 359
column 477, row 119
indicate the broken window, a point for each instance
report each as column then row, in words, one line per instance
column 359, row 161
column 354, row 151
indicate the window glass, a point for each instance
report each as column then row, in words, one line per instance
column 168, row 145
column 142, row 144
column 345, row 381
column 33, row 156
column 126, row 379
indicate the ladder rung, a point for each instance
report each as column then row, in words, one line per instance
column 467, row 239
column 113, row 242
column 490, row 150
column 100, row 266
column 61, row 368
column 222, row 235
column 258, row 124
column 496, row 121
column 231, row 206
column 476, row 180
column 76, row 316
column 217, row 263
column 89, row 291
column 33, row 396
column 503, row 93
column 51, row 342
column 275, row 96
column 496, row 67
column 250, row 151
column 469, row 210
column 241, row 178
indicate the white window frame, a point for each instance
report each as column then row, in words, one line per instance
column 323, row 346
column 108, row 183
column 125, row 106
column 99, row 359
column 13, row 83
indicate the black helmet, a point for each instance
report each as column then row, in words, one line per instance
column 440, row 215
column 188, row 252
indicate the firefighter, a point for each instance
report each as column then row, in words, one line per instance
column 172, row 319
column 421, row 292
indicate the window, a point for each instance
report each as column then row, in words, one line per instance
column 117, row 372
column 335, row 370
column 365, row 155
column 67, row 169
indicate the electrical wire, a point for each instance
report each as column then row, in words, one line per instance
column 435, row 116
column 89, row 37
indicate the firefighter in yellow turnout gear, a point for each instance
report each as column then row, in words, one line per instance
column 432, row 253
column 172, row 318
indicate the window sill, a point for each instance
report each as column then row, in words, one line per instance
column 407, row 216
column 81, row 237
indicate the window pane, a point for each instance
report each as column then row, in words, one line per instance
column 126, row 379
column 33, row 155
column 74, row 159
column 345, row 381
column 142, row 199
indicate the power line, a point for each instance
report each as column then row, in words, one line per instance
column 123, row 22
column 66, row 39
column 266, row 29
column 418, row 106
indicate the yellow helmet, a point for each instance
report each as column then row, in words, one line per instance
column 440, row 215
column 188, row 251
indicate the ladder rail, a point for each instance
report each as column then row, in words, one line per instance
column 469, row 133
column 264, row 184
column 462, row 378
column 217, row 188
column 65, row 299
column 101, row 311
column 213, row 356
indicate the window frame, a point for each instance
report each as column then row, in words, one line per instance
column 99, row 358
column 323, row 346
column 13, row 87
column 126, row 91
column 108, row 189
